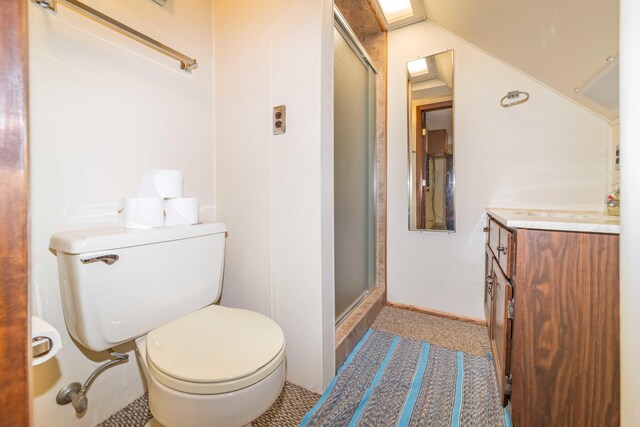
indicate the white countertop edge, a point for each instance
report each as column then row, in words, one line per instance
column 510, row 218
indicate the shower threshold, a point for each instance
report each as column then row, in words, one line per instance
column 352, row 307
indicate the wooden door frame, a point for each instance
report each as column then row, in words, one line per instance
column 15, row 357
column 421, row 220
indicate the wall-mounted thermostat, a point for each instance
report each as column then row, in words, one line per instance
column 279, row 120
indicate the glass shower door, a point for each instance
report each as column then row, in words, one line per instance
column 354, row 169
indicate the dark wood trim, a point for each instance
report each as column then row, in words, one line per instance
column 437, row 313
column 421, row 150
column 15, row 357
column 435, row 106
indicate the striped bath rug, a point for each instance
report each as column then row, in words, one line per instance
column 394, row 381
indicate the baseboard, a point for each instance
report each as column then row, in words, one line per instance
column 437, row 313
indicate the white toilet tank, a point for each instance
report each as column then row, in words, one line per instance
column 118, row 284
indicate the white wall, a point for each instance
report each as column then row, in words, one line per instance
column 243, row 126
column 105, row 109
column 547, row 153
column 273, row 191
column 630, row 216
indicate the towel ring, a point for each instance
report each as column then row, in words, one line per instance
column 514, row 94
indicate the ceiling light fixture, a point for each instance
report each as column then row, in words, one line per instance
column 417, row 67
column 396, row 10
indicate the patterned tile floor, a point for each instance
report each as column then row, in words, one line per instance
column 295, row 401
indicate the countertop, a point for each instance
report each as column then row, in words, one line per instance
column 582, row 221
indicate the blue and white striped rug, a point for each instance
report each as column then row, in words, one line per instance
column 395, row 381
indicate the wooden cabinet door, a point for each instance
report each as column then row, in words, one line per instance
column 507, row 249
column 488, row 289
column 566, row 337
column 438, row 141
column 501, row 326
column 494, row 237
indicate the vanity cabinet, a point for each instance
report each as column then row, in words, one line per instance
column 551, row 303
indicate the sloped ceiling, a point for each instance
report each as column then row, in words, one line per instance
column 562, row 43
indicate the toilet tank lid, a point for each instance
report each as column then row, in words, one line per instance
column 103, row 239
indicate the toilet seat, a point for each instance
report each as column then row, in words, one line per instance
column 215, row 350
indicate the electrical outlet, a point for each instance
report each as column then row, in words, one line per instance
column 617, row 157
column 279, row 119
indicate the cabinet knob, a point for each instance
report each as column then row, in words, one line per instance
column 501, row 248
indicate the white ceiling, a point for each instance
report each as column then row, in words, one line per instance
column 562, row 43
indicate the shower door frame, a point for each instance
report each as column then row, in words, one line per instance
column 340, row 23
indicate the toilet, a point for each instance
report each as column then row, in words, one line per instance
column 205, row 365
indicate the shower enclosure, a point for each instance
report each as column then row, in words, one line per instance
column 354, row 170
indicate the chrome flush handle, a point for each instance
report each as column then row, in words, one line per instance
column 107, row 259
column 501, row 248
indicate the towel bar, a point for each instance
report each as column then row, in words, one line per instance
column 186, row 63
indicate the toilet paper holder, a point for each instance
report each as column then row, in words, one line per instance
column 40, row 346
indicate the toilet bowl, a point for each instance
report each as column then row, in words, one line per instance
column 219, row 366
column 205, row 365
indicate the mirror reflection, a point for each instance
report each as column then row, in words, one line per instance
column 431, row 152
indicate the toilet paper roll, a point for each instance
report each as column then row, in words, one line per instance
column 42, row 330
column 181, row 211
column 143, row 212
column 163, row 183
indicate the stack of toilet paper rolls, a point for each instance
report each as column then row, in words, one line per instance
column 160, row 202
